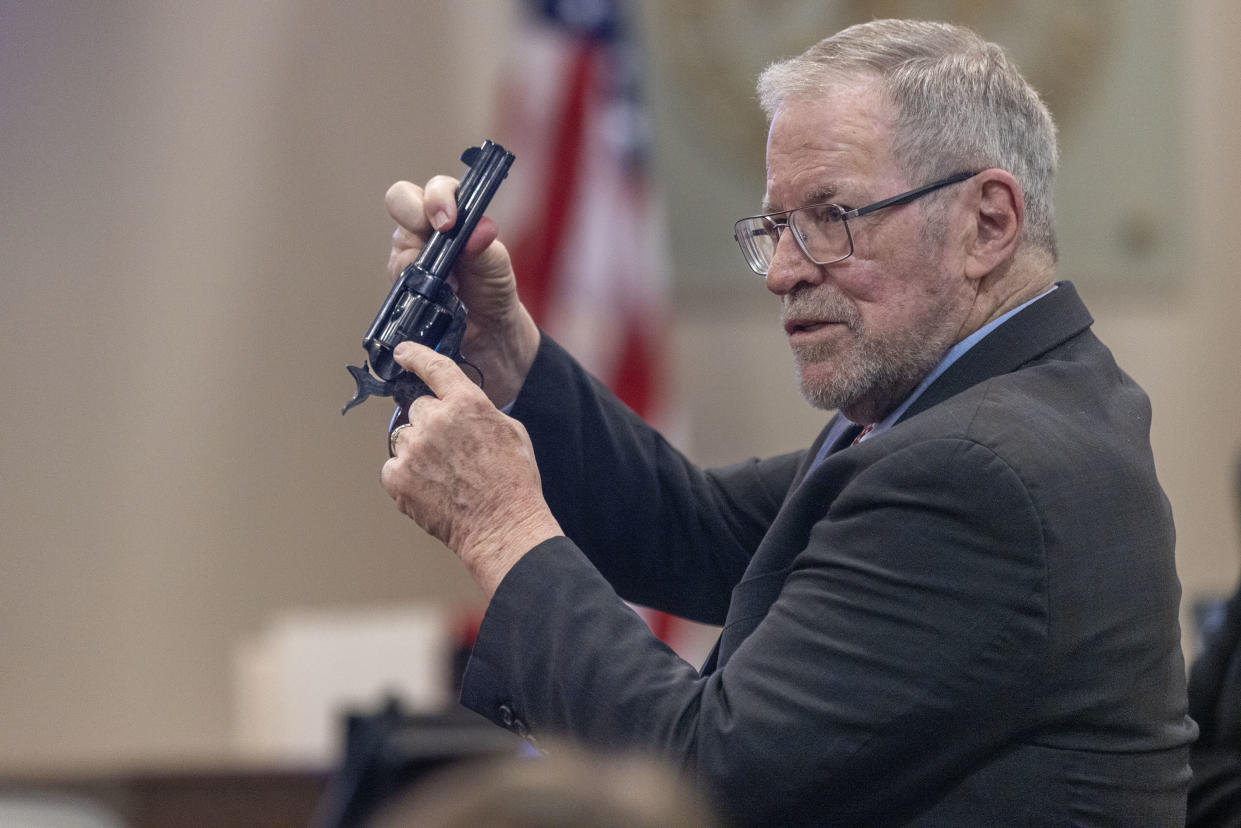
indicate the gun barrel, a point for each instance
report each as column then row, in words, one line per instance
column 489, row 164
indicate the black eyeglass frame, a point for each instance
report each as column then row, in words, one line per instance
column 780, row 219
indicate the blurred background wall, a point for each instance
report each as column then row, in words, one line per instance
column 192, row 239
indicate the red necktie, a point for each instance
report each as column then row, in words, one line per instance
column 862, row 434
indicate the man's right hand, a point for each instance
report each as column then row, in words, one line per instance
column 501, row 337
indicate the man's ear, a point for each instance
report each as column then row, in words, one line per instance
column 997, row 215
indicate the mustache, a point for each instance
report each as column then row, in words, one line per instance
column 808, row 303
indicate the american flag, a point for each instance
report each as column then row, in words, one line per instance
column 587, row 234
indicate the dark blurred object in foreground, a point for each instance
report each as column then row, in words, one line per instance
column 388, row 751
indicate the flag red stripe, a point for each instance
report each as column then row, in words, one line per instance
column 535, row 256
column 633, row 381
column 662, row 625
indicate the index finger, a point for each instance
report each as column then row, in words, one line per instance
column 443, row 376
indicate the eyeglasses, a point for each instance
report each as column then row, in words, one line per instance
column 821, row 230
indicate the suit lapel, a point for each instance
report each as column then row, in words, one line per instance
column 847, row 431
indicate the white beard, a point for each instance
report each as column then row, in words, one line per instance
column 871, row 376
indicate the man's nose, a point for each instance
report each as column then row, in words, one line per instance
column 790, row 266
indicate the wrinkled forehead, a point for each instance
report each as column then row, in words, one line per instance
column 824, row 144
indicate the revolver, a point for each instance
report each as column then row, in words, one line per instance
column 421, row 306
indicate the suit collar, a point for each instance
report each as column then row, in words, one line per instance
column 1053, row 319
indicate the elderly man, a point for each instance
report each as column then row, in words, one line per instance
column 958, row 607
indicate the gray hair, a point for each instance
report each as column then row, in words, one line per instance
column 958, row 102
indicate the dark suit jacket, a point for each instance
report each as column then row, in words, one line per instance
column 970, row 619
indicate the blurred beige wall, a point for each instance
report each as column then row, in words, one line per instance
column 192, row 238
